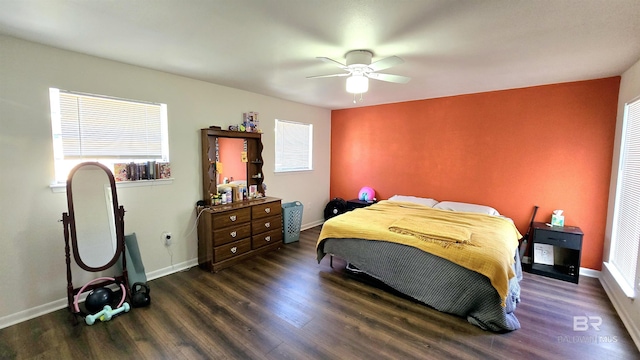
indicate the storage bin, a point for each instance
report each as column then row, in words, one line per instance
column 291, row 221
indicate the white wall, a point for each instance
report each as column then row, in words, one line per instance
column 628, row 309
column 32, row 265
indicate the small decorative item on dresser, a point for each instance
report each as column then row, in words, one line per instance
column 250, row 121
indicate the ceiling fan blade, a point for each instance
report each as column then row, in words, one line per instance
column 331, row 61
column 390, row 78
column 386, row 63
column 324, row 76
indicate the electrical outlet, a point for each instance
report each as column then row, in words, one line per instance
column 166, row 236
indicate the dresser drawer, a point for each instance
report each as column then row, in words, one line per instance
column 263, row 225
column 231, row 233
column 264, row 210
column 230, row 250
column 266, row 238
column 231, row 217
column 555, row 238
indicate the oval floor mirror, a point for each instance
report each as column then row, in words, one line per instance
column 94, row 234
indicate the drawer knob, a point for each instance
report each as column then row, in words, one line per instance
column 233, row 217
column 268, row 238
column 234, row 249
column 233, row 234
column 267, row 224
column 267, row 210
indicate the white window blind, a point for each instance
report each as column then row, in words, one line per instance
column 89, row 127
column 626, row 231
column 108, row 128
column 294, row 146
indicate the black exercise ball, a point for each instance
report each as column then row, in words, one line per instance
column 98, row 298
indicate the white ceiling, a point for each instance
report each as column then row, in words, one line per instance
column 270, row 46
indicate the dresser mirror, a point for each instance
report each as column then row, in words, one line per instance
column 230, row 154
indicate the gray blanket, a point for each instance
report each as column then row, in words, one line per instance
column 432, row 280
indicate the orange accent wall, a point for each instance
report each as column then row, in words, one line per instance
column 550, row 146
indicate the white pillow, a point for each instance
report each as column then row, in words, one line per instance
column 459, row 206
column 414, row 199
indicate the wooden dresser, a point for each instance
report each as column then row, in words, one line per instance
column 234, row 232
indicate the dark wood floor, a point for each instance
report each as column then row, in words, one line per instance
column 286, row 306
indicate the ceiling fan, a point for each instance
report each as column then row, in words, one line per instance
column 359, row 69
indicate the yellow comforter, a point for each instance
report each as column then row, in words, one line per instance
column 489, row 250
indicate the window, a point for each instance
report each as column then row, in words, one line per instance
column 89, row 127
column 294, row 142
column 626, row 224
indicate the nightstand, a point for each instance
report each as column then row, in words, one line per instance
column 556, row 251
column 355, row 204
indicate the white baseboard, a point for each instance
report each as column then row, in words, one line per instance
column 590, row 273
column 172, row 269
column 34, row 312
column 40, row 310
column 311, row 224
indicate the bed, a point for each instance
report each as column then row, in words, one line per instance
column 455, row 257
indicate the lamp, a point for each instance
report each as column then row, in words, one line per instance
column 357, row 84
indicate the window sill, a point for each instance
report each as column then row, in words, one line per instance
column 60, row 188
column 291, row 171
column 626, row 289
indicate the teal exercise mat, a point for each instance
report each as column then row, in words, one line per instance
column 135, row 268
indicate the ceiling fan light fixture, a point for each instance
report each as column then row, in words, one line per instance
column 359, row 69
column 357, row 84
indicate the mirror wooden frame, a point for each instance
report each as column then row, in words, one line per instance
column 254, row 174
column 71, row 240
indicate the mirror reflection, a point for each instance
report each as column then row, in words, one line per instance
column 93, row 211
column 230, row 153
